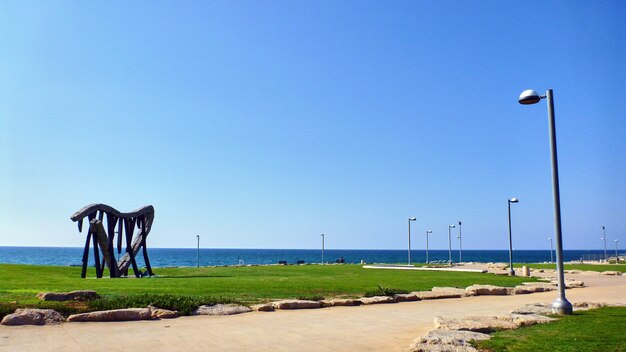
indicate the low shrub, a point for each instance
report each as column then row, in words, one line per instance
column 384, row 291
column 310, row 297
column 183, row 304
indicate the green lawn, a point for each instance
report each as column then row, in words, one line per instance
column 590, row 267
column 599, row 330
column 247, row 284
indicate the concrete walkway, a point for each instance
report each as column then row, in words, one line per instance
column 382, row 327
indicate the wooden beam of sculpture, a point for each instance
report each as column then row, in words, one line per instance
column 96, row 227
column 104, row 243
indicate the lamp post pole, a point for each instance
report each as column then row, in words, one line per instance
column 606, row 258
column 561, row 305
column 551, row 259
column 460, row 247
column 322, row 235
column 450, row 245
column 427, row 232
column 198, row 252
column 511, row 270
column 410, row 219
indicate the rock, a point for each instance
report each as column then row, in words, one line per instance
column 572, row 271
column 221, row 309
column 590, row 273
column 160, row 313
column 436, row 294
column 521, row 320
column 340, row 302
column 82, row 295
column 488, row 290
column 32, row 316
column 127, row 314
column 612, row 273
column 498, row 266
column 377, row 299
column 574, row 284
column 264, row 307
column 406, row 297
column 477, row 324
column 447, row 340
column 536, row 308
column 424, row 347
column 296, row 304
column 532, row 288
column 453, row 290
column 588, row 305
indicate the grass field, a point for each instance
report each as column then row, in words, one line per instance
column 20, row 283
column 590, row 267
column 598, row 330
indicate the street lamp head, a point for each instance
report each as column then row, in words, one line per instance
column 549, row 238
column 458, row 236
column 411, row 219
column 514, row 200
column 602, row 227
column 528, row 97
column 429, row 231
column 459, row 223
column 451, row 226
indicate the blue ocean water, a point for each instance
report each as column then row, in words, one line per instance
column 173, row 257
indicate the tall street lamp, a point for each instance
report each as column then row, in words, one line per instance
column 198, row 252
column 427, row 232
column 460, row 248
column 322, row 236
column 561, row 305
column 551, row 259
column 450, row 245
column 606, row 258
column 511, row 270
column 410, row 219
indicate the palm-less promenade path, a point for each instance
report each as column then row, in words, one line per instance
column 381, row 327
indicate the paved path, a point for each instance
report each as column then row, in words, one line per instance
column 382, row 327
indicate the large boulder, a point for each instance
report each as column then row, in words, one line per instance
column 263, row 307
column 488, row 324
column 296, row 304
column 127, row 314
column 81, row 295
column 532, row 287
column 340, row 302
column 611, row 273
column 436, row 294
column 447, row 340
column 160, row 313
column 534, row 308
column 221, row 309
column 32, row 316
column 488, row 290
column 406, row 297
column 453, row 290
column 377, row 300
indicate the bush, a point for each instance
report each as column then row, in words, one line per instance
column 6, row 309
column 183, row 304
column 385, row 291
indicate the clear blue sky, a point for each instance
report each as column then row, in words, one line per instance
column 261, row 124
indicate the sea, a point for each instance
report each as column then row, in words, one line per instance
column 181, row 257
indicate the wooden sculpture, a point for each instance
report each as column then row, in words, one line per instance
column 104, row 240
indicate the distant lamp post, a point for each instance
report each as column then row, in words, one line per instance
column 410, row 219
column 561, row 305
column 511, row 270
column 606, row 258
column 427, row 232
column 198, row 252
column 460, row 247
column 450, row 245
column 551, row 259
column 616, row 257
column 322, row 235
